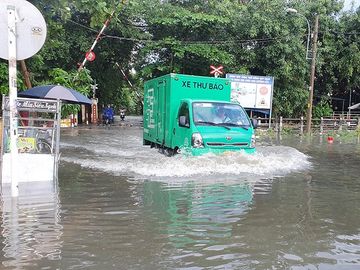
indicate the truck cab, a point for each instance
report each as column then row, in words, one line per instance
column 212, row 126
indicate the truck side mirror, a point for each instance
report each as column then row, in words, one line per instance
column 254, row 122
column 183, row 122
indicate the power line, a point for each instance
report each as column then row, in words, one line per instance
column 188, row 42
column 83, row 26
column 194, row 42
column 199, row 42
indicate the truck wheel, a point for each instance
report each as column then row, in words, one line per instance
column 169, row 152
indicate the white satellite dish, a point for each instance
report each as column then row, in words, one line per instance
column 30, row 28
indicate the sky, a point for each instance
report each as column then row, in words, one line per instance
column 347, row 4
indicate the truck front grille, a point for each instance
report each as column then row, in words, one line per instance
column 226, row 144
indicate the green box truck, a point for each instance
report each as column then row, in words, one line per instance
column 194, row 114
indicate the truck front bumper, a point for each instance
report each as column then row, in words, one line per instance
column 219, row 151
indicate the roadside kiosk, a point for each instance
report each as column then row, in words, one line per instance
column 38, row 125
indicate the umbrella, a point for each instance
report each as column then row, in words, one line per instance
column 353, row 107
column 55, row 92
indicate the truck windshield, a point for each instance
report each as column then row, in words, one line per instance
column 216, row 113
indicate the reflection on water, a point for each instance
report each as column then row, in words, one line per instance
column 125, row 206
column 196, row 214
column 31, row 229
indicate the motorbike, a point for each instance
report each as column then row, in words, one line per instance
column 107, row 119
column 122, row 115
column 108, row 116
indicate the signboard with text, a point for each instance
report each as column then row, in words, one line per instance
column 253, row 92
column 39, row 105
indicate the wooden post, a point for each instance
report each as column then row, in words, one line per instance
column 302, row 125
column 280, row 124
column 340, row 124
column 321, row 126
column 25, row 74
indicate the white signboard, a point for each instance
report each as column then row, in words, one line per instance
column 30, row 29
column 253, row 92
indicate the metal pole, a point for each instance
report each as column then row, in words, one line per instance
column 12, row 99
column 57, row 143
column 308, row 38
column 308, row 35
column 292, row 10
column 312, row 77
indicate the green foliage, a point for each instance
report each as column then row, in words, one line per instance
column 4, row 79
column 79, row 81
column 357, row 131
column 157, row 37
column 290, row 101
column 322, row 109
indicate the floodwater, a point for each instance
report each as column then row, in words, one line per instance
column 120, row 205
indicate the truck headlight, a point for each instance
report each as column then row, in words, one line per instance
column 253, row 141
column 196, row 140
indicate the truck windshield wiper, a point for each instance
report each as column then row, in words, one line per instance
column 236, row 125
column 212, row 124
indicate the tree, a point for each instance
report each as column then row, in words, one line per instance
column 158, row 37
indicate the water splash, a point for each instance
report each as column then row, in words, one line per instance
column 119, row 157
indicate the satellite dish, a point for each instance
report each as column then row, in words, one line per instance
column 30, row 29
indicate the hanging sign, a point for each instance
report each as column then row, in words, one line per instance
column 90, row 56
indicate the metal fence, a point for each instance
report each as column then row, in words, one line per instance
column 321, row 125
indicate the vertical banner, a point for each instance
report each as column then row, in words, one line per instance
column 94, row 111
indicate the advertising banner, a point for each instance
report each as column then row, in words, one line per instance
column 253, row 92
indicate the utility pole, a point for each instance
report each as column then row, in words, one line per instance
column 312, row 76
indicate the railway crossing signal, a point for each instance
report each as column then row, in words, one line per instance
column 216, row 70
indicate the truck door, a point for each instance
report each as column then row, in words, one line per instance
column 182, row 130
column 161, row 98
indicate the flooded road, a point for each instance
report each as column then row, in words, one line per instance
column 121, row 205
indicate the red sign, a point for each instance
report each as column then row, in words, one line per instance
column 94, row 114
column 90, row 56
column 216, row 70
column 264, row 90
